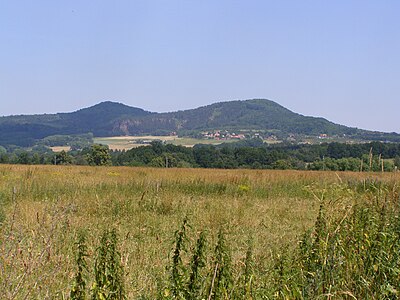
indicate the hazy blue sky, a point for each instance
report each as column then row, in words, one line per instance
column 335, row 59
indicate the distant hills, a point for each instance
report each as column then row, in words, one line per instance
column 115, row 119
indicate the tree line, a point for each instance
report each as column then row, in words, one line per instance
column 252, row 154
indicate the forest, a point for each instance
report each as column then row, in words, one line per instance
column 250, row 154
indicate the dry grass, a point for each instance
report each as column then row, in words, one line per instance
column 129, row 142
column 45, row 206
column 60, row 148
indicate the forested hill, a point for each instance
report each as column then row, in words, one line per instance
column 115, row 119
column 100, row 119
column 258, row 114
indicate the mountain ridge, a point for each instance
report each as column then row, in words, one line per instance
column 109, row 118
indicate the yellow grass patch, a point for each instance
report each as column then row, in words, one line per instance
column 45, row 206
column 60, row 148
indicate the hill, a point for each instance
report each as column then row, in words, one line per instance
column 115, row 119
column 100, row 119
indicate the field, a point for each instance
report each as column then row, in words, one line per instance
column 262, row 215
column 129, row 142
column 60, row 148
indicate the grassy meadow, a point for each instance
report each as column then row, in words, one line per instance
column 262, row 215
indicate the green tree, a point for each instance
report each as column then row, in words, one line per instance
column 23, row 158
column 397, row 161
column 3, row 155
column 282, row 164
column 63, row 158
column 36, row 159
column 98, row 155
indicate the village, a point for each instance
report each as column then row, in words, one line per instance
column 227, row 135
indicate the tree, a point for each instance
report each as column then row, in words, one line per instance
column 206, row 156
column 3, row 155
column 282, row 164
column 397, row 161
column 98, row 155
column 4, row 158
column 23, row 158
column 63, row 158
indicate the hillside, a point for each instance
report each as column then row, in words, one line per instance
column 115, row 119
column 100, row 119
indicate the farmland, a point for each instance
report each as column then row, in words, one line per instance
column 44, row 210
column 129, row 142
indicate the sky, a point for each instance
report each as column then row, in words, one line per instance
column 334, row 59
